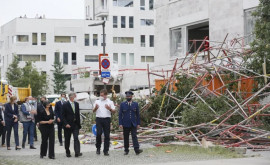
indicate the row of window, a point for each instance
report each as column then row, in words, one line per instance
column 144, row 59
column 130, row 3
column 144, row 22
column 151, row 41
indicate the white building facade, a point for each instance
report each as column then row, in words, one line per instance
column 129, row 30
column 178, row 22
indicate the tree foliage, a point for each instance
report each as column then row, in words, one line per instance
column 28, row 75
column 59, row 78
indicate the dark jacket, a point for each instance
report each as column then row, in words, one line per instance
column 1, row 118
column 69, row 117
column 42, row 116
column 129, row 115
column 58, row 110
column 9, row 119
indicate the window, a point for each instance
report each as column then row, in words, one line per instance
column 65, row 39
column 31, row 57
column 151, row 41
column 123, row 3
column 65, row 58
column 131, row 22
column 142, row 4
column 22, row 38
column 123, row 59
column 91, row 58
column 86, row 40
column 249, row 24
column 147, row 22
column 95, row 40
column 147, row 59
column 142, row 40
column 176, row 42
column 56, row 57
column 123, row 40
column 123, row 22
column 131, row 58
column 151, row 4
column 34, row 38
column 74, row 58
column 115, row 22
column 115, row 58
column 43, row 38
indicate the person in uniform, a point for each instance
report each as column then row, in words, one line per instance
column 129, row 121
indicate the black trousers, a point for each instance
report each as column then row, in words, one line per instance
column 47, row 134
column 103, row 125
column 133, row 131
column 67, row 134
column 60, row 128
column 3, row 132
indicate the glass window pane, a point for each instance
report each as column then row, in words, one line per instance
column 65, row 58
column 43, row 38
column 95, row 40
column 91, row 58
column 115, row 22
column 86, row 40
column 142, row 40
column 176, row 42
column 131, row 58
column 151, row 4
column 123, row 22
column 22, row 38
column 56, row 57
column 143, row 22
column 74, row 58
column 115, row 40
column 34, row 39
column 151, row 40
column 149, row 58
column 123, row 59
column 62, row 39
column 43, row 57
column 131, row 22
column 125, row 3
column 149, row 22
column 142, row 4
column 142, row 58
column 115, row 58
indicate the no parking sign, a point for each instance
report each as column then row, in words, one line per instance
column 105, row 66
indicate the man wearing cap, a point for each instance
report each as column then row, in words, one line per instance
column 129, row 121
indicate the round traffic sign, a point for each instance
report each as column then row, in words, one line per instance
column 105, row 63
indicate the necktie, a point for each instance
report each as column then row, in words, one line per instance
column 73, row 107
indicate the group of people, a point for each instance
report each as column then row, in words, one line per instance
column 67, row 117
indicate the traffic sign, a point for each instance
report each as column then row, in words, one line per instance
column 105, row 66
column 105, row 63
column 105, row 74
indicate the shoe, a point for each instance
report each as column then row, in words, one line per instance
column 8, row 148
column 51, row 157
column 138, row 152
column 17, row 148
column 106, row 154
column 23, row 145
column 41, row 157
column 126, row 153
column 61, row 144
column 32, row 147
column 68, row 155
column 3, row 145
column 77, row 155
column 98, row 152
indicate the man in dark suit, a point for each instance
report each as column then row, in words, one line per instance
column 2, row 123
column 129, row 120
column 72, row 124
column 58, row 115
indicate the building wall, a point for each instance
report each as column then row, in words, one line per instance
column 223, row 16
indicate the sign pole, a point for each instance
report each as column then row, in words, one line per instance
column 103, row 29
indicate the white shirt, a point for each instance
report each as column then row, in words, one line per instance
column 102, row 111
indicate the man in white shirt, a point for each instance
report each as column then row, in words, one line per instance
column 104, row 107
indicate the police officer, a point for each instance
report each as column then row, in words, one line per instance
column 129, row 121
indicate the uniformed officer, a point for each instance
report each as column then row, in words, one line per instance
column 129, row 121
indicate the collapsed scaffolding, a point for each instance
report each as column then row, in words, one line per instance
column 211, row 65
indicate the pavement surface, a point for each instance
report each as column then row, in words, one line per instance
column 31, row 157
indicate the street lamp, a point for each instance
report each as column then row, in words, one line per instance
column 104, row 43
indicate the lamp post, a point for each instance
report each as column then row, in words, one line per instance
column 103, row 33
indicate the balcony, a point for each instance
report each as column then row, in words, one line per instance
column 102, row 11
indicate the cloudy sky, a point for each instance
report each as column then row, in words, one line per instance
column 10, row 9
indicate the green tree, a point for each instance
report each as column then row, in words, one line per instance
column 37, row 80
column 261, row 44
column 59, row 78
column 14, row 73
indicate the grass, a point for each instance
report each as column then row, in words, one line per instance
column 195, row 150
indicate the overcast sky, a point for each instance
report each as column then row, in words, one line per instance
column 10, row 9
